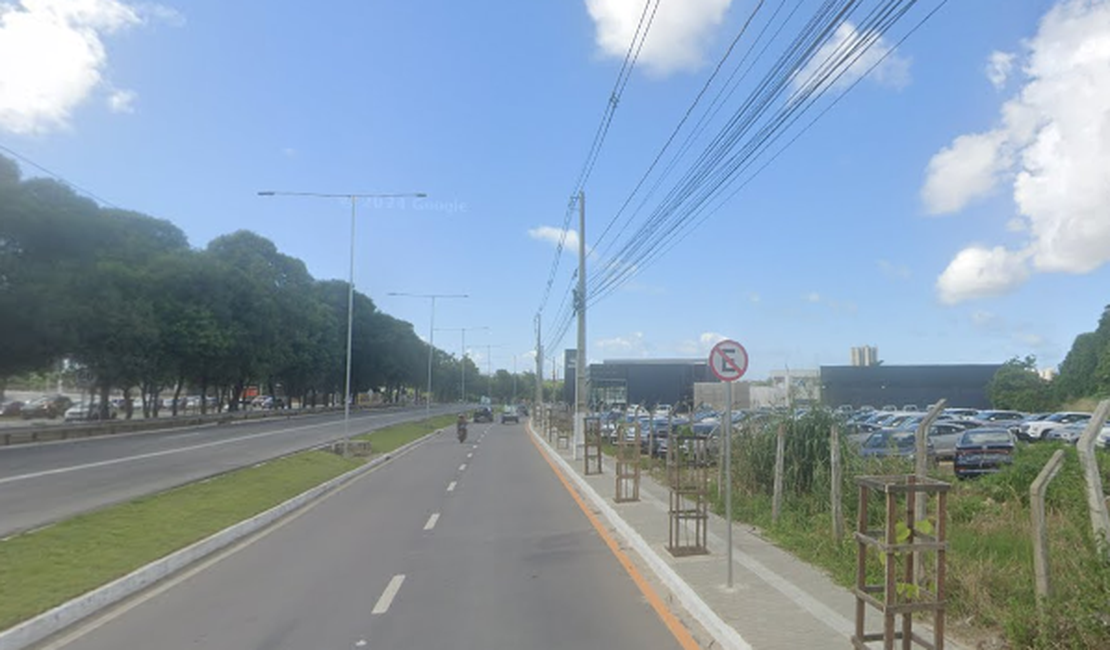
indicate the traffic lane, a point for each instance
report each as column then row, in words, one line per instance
column 515, row 564
column 26, row 459
column 33, row 500
column 312, row 581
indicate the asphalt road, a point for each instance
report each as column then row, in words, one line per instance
column 452, row 545
column 40, row 484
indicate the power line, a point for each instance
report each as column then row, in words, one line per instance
column 58, row 177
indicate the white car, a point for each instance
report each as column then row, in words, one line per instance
column 82, row 411
column 1037, row 429
column 662, row 411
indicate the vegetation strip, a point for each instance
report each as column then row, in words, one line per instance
column 42, row 569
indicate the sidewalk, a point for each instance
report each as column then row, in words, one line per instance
column 777, row 601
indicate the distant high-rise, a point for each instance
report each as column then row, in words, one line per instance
column 867, row 355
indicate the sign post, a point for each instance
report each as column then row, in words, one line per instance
column 729, row 361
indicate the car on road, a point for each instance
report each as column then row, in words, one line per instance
column 983, row 451
column 509, row 414
column 482, row 414
column 82, row 411
column 1037, row 429
column 46, row 407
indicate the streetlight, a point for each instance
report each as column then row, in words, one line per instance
column 350, row 277
column 462, row 363
column 489, row 367
column 431, row 334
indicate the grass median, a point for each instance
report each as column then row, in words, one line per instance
column 45, row 568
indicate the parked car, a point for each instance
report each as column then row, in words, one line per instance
column 509, row 414
column 1000, row 416
column 983, row 451
column 962, row 413
column 944, row 436
column 46, row 407
column 11, row 409
column 910, row 407
column 1037, row 429
column 482, row 414
column 887, row 443
column 1102, row 440
column 662, row 411
column 1068, row 433
column 82, row 411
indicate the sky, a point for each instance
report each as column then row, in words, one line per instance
column 950, row 207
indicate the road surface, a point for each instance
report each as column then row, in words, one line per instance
column 40, row 484
column 460, row 546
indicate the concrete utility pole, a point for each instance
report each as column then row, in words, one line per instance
column 539, row 365
column 580, row 396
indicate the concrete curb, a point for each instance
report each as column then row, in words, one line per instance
column 55, row 620
column 724, row 634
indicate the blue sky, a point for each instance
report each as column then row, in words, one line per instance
column 936, row 212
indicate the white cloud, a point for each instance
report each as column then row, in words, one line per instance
column 1052, row 144
column 703, row 344
column 122, row 101
column 968, row 169
column 893, row 71
column 812, row 297
column 999, row 66
column 52, row 57
column 553, row 235
column 979, row 272
column 631, row 345
column 679, row 32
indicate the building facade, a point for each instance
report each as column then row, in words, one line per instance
column 878, row 386
column 646, row 382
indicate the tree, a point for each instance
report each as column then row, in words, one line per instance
column 1017, row 386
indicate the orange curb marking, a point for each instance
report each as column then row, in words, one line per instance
column 676, row 627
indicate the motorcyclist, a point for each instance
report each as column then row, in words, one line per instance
column 460, row 426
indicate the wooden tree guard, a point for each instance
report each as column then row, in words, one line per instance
column 592, row 451
column 628, row 463
column 688, row 476
column 894, row 598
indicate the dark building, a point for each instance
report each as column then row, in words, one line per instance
column 878, row 386
column 639, row 381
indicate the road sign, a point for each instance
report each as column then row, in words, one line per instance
column 728, row 360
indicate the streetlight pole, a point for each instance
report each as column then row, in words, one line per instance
column 353, row 198
column 431, row 336
column 462, row 358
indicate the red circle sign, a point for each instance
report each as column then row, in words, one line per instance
column 728, row 360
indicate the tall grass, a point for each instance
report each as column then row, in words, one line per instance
column 990, row 567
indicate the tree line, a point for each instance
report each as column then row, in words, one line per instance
column 123, row 296
column 1084, row 373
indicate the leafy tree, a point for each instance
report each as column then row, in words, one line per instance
column 1017, row 386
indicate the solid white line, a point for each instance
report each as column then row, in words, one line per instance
column 432, row 521
column 462, row 468
column 451, row 486
column 155, row 454
column 389, row 594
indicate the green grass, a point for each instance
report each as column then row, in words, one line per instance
column 45, row 568
column 990, row 565
column 391, row 438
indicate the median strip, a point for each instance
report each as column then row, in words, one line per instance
column 48, row 570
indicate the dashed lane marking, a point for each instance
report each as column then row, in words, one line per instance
column 389, row 594
column 432, row 521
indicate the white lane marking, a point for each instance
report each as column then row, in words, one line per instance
column 470, row 455
column 462, row 468
column 97, row 621
column 451, row 486
column 432, row 521
column 389, row 594
column 155, row 454
column 361, row 643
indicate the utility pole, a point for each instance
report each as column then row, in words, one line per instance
column 580, row 396
column 539, row 366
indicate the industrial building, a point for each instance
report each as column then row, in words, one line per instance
column 962, row 385
column 638, row 381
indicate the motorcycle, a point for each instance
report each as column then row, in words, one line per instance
column 460, row 431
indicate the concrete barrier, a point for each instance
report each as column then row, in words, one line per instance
column 57, row 619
